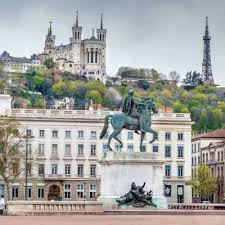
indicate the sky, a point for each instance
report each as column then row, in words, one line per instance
column 162, row 34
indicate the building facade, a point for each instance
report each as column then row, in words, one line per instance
column 19, row 64
column 67, row 146
column 81, row 56
column 210, row 149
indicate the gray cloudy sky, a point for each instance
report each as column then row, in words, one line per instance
column 161, row 34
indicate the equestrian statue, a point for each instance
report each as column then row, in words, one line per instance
column 136, row 116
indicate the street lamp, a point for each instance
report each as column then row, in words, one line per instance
column 27, row 136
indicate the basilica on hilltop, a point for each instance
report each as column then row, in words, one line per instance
column 80, row 56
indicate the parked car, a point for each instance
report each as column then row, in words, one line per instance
column 2, row 204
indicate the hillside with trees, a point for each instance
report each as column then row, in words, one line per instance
column 205, row 103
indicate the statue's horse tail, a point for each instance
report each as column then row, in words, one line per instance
column 105, row 128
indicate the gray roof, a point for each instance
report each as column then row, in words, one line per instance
column 5, row 57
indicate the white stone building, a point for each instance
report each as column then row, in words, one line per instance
column 209, row 149
column 19, row 64
column 68, row 149
column 81, row 56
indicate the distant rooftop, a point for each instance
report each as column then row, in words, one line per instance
column 6, row 57
column 218, row 134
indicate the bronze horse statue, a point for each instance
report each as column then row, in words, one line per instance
column 120, row 121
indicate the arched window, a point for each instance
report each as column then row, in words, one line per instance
column 92, row 55
column 96, row 56
column 78, row 35
column 75, row 35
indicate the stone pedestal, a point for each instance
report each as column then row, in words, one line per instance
column 120, row 169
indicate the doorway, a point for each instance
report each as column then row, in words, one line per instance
column 54, row 192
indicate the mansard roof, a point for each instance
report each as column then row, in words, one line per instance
column 6, row 56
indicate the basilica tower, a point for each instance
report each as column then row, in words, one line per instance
column 49, row 40
column 76, row 31
column 101, row 34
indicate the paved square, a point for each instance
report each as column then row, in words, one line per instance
column 112, row 220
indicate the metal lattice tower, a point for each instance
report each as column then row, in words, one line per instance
column 206, row 64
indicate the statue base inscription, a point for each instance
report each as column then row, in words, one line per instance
column 120, row 169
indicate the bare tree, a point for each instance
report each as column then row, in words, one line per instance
column 173, row 75
column 12, row 153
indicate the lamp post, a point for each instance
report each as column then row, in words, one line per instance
column 27, row 136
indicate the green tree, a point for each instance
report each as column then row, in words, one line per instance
column 95, row 96
column 203, row 182
column 143, row 84
column 192, row 80
column 96, row 85
column 59, row 88
column 49, row 63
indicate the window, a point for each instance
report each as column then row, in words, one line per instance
column 80, row 134
column 180, row 151
column 80, row 169
column 41, row 149
column 155, row 148
column 104, row 147
column 180, row 171
column 167, row 190
column 222, row 156
column 67, row 169
column 67, row 134
column 80, row 191
column 41, row 133
column 93, row 170
column 180, row 136
column 41, row 169
column 16, row 133
column 67, row 150
column 93, row 134
column 54, row 169
column 167, row 151
column 80, row 150
column 40, row 192
column 29, row 192
column 29, row 133
column 15, row 168
column 118, row 147
column 143, row 148
column 168, row 136
column 93, row 150
column 54, row 149
column 54, row 133
column 218, row 156
column 15, row 192
column 130, row 135
column 67, row 191
column 29, row 149
column 92, row 191
column 167, row 170
column 130, row 148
